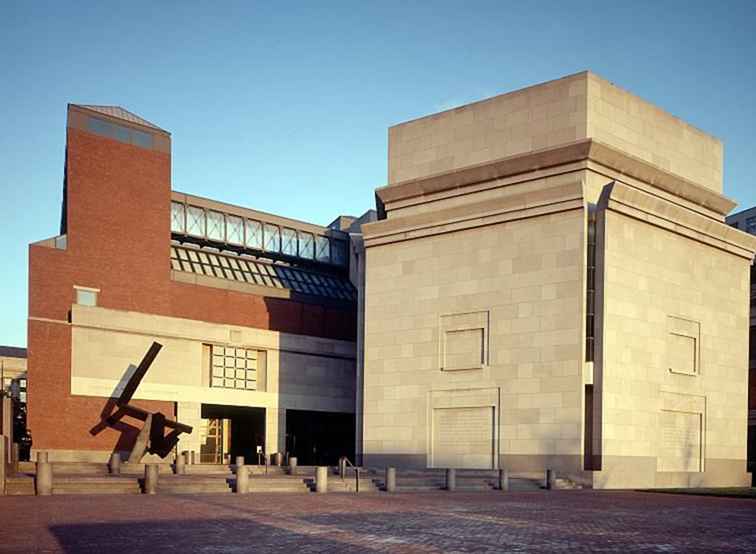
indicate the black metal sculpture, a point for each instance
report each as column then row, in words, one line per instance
column 152, row 437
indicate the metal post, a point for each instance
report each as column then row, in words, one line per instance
column 503, row 480
column 115, row 463
column 550, row 479
column 242, row 477
column 44, row 480
column 150, row 478
column 342, row 467
column 356, row 479
column 451, row 479
column 390, row 479
column 321, row 479
column 292, row 465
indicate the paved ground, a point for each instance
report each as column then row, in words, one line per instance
column 432, row 522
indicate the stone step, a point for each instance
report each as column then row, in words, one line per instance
column 57, row 490
column 19, row 485
column 138, row 469
column 299, row 486
column 84, row 468
column 336, row 484
column 190, row 488
column 94, row 484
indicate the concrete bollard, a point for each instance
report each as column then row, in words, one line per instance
column 3, row 467
column 242, row 479
column 180, row 466
column 451, row 479
column 15, row 457
column 150, row 478
column 192, row 458
column 321, row 479
column 239, row 461
column 390, row 479
column 115, row 463
column 503, row 480
column 42, row 457
column 44, row 480
column 292, row 465
column 342, row 467
column 549, row 479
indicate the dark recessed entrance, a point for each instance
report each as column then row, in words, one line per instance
column 232, row 431
column 319, row 438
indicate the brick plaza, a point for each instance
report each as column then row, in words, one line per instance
column 564, row 521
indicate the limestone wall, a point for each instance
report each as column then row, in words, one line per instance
column 302, row 372
column 476, row 334
column 675, row 346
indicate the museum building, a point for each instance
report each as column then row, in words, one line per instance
column 552, row 284
column 257, row 314
column 548, row 281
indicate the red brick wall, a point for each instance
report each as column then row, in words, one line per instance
column 118, row 226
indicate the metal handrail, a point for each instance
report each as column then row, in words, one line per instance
column 343, row 461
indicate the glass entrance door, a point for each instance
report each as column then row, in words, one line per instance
column 217, row 446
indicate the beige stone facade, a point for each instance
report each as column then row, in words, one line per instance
column 300, row 372
column 553, row 285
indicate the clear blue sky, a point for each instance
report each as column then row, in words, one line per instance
column 284, row 107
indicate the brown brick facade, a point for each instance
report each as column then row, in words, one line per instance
column 118, row 240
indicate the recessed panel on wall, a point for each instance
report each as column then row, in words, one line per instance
column 681, row 438
column 683, row 345
column 464, row 428
column 464, row 341
column 463, row 437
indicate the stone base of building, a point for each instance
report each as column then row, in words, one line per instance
column 618, row 472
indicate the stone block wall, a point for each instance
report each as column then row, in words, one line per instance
column 515, row 291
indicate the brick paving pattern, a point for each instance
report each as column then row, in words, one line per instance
column 558, row 521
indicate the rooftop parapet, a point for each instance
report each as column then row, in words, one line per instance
column 549, row 115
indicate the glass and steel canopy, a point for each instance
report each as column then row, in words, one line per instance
column 263, row 236
column 248, row 269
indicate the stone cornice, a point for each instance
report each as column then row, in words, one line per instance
column 585, row 149
column 476, row 214
column 656, row 211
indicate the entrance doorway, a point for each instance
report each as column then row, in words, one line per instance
column 319, row 438
column 232, row 431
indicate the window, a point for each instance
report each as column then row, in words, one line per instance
column 234, row 368
column 339, row 252
column 254, row 237
column 234, row 229
column 246, row 270
column 306, row 245
column 178, row 217
column 141, row 139
column 751, row 225
column 289, row 242
column 86, row 296
column 322, row 249
column 272, row 238
column 195, row 221
column 215, row 224
column 120, row 133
